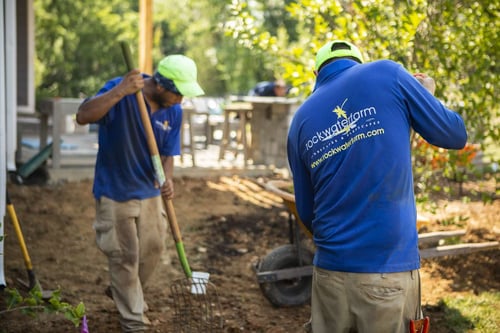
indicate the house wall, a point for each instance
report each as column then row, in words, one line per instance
column 3, row 134
column 10, row 92
column 10, row 36
column 25, row 55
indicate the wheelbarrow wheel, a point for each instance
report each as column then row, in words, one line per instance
column 290, row 292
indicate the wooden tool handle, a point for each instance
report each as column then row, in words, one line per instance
column 146, row 122
column 153, row 148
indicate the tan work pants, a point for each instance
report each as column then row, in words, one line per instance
column 354, row 302
column 132, row 236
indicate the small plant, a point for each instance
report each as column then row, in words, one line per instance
column 34, row 303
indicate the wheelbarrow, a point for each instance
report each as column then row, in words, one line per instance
column 285, row 273
column 32, row 171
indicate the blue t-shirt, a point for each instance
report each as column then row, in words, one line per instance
column 124, row 170
column 264, row 88
column 349, row 153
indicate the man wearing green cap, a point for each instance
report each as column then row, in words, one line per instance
column 349, row 153
column 130, row 220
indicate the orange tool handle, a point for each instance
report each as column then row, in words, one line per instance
column 420, row 325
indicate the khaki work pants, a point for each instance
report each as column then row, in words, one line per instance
column 361, row 303
column 132, row 236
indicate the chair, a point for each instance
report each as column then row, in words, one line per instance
column 187, row 125
column 200, row 119
column 240, row 114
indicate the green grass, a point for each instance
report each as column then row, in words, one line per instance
column 472, row 313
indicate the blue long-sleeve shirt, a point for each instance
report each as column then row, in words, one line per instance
column 349, row 153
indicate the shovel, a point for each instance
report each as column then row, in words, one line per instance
column 32, row 283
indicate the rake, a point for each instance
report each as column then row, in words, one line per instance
column 195, row 299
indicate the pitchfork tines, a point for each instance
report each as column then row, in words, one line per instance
column 195, row 312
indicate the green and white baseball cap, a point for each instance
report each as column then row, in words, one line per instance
column 337, row 49
column 182, row 70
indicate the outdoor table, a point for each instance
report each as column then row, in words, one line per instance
column 269, row 119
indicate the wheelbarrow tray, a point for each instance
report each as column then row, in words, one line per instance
column 283, row 189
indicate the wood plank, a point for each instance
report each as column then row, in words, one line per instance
column 146, row 36
column 436, row 236
column 452, row 250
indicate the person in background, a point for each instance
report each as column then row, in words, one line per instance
column 349, row 154
column 276, row 88
column 130, row 223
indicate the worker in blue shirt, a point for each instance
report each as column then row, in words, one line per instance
column 277, row 88
column 130, row 222
column 349, row 154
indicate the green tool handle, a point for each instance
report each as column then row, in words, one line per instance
column 174, row 227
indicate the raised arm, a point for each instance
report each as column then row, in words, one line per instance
column 93, row 109
column 429, row 117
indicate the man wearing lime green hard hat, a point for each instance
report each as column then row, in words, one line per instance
column 350, row 156
column 130, row 222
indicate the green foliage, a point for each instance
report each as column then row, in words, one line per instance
column 473, row 313
column 380, row 28
column 33, row 304
column 77, row 44
column 223, row 66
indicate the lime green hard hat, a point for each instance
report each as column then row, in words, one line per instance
column 182, row 70
column 331, row 50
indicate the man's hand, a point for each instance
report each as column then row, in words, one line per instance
column 426, row 81
column 93, row 109
column 131, row 83
column 167, row 190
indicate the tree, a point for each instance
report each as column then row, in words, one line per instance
column 380, row 28
column 224, row 65
column 460, row 46
column 77, row 44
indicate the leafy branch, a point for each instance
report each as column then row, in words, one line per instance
column 34, row 304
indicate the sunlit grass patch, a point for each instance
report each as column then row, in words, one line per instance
column 473, row 313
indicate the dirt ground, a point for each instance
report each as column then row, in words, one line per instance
column 228, row 225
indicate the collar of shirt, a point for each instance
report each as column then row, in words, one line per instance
column 333, row 69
